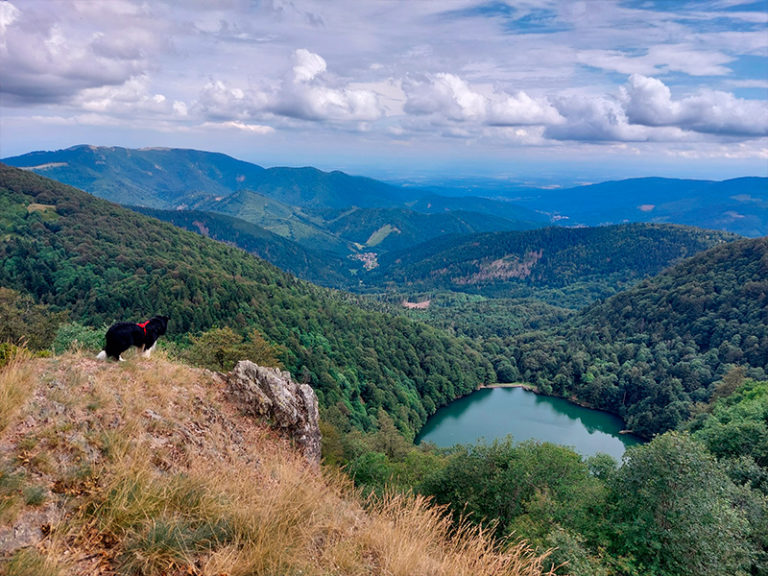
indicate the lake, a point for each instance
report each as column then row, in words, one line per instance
column 493, row 413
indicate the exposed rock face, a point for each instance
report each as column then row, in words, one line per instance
column 274, row 395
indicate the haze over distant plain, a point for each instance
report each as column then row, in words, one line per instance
column 532, row 91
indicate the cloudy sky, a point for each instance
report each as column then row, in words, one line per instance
column 526, row 90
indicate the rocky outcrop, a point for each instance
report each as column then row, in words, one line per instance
column 273, row 395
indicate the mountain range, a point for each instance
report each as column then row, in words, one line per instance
column 361, row 218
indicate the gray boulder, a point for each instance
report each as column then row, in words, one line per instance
column 273, row 395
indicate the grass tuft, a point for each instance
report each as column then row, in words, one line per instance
column 15, row 385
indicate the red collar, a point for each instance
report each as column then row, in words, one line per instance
column 144, row 326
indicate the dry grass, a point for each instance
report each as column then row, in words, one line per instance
column 12, row 393
column 147, row 471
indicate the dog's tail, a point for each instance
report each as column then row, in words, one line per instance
column 102, row 355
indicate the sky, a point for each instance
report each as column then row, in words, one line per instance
column 530, row 91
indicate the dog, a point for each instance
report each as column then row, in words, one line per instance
column 123, row 335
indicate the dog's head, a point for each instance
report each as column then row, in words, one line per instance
column 160, row 323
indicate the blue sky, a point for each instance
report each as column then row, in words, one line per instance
column 540, row 91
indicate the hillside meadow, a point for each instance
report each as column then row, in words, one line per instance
column 144, row 468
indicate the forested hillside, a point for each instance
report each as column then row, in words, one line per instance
column 651, row 352
column 319, row 267
column 564, row 266
column 101, row 263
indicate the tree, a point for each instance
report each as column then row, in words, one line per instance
column 222, row 348
column 675, row 511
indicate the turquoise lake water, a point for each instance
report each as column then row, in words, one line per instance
column 493, row 413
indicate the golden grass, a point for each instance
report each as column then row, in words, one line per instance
column 160, row 475
column 14, row 385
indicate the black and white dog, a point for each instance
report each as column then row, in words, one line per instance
column 123, row 335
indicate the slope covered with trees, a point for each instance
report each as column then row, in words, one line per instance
column 102, row 263
column 565, row 266
column 649, row 353
column 319, row 267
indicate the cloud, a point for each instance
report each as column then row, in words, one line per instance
column 259, row 129
column 649, row 102
column 312, row 95
column 219, row 101
column 685, row 58
column 449, row 98
column 307, row 93
column 308, row 66
column 133, row 97
column 46, row 59
column 594, row 119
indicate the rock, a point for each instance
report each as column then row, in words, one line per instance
column 271, row 394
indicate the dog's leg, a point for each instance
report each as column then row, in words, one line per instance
column 148, row 352
column 102, row 355
column 120, row 358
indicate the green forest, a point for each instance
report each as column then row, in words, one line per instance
column 95, row 263
column 681, row 356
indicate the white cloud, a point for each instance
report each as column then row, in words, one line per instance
column 685, row 58
column 649, row 102
column 219, row 101
column 130, row 98
column 46, row 58
column 308, row 65
column 520, row 109
column 313, row 95
column 259, row 129
column 449, row 98
column 593, row 119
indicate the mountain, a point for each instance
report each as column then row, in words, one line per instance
column 171, row 178
column 332, row 212
column 386, row 229
column 100, row 263
column 290, row 222
column 321, row 268
column 499, row 208
column 570, row 266
column 152, row 177
column 651, row 352
column 738, row 205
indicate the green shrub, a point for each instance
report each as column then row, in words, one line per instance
column 72, row 336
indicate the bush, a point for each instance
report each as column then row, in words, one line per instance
column 72, row 336
column 221, row 348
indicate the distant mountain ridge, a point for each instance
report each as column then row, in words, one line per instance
column 738, row 205
column 348, row 228
column 169, row 178
column 301, row 204
column 172, row 178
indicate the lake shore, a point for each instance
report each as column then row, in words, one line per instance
column 529, row 387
